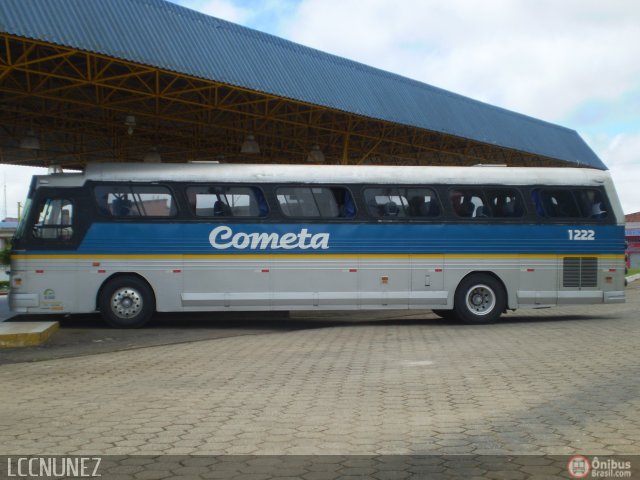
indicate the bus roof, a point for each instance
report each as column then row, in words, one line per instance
column 361, row 174
column 335, row 174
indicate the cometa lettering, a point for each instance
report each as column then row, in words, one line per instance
column 223, row 237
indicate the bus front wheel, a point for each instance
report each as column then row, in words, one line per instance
column 126, row 302
column 479, row 299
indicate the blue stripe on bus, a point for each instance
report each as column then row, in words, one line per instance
column 181, row 238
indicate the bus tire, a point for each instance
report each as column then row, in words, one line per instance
column 126, row 302
column 479, row 299
column 446, row 314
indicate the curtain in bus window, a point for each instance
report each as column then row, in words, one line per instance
column 348, row 207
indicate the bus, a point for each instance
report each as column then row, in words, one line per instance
column 469, row 243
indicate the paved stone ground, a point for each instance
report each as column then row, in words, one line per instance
column 87, row 334
column 557, row 382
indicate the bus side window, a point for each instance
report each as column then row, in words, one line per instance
column 297, row 202
column 227, row 201
column 316, row 202
column 469, row 203
column 135, row 201
column 387, row 203
column 422, row 203
column 558, row 203
column 592, row 204
column 392, row 203
column 121, row 206
column 55, row 220
column 505, row 203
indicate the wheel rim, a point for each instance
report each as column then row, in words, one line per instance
column 126, row 302
column 480, row 299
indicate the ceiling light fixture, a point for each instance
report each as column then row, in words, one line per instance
column 30, row 141
column 153, row 156
column 250, row 145
column 315, row 155
column 130, row 123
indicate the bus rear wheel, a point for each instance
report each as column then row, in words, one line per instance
column 479, row 299
column 126, row 302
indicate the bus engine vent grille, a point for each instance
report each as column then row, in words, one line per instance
column 580, row 272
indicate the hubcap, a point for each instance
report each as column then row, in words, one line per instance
column 126, row 302
column 481, row 299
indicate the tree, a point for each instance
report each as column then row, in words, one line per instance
column 5, row 254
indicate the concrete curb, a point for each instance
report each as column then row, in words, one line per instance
column 26, row 334
column 633, row 278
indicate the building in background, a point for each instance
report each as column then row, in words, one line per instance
column 632, row 236
column 8, row 227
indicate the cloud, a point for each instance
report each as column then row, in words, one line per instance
column 542, row 58
column 17, row 181
column 571, row 62
column 621, row 154
column 224, row 9
column 265, row 15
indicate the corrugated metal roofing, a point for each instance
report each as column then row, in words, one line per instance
column 171, row 37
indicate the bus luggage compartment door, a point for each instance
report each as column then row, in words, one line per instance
column 427, row 281
column 538, row 285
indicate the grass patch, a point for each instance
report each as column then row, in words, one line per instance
column 633, row 271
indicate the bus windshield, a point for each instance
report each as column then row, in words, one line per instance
column 23, row 220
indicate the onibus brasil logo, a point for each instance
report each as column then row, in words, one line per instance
column 223, row 237
column 580, row 466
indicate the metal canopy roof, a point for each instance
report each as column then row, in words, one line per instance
column 198, row 84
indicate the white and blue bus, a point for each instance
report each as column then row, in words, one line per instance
column 466, row 242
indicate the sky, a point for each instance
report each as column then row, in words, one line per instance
column 575, row 63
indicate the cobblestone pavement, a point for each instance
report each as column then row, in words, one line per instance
column 557, row 382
